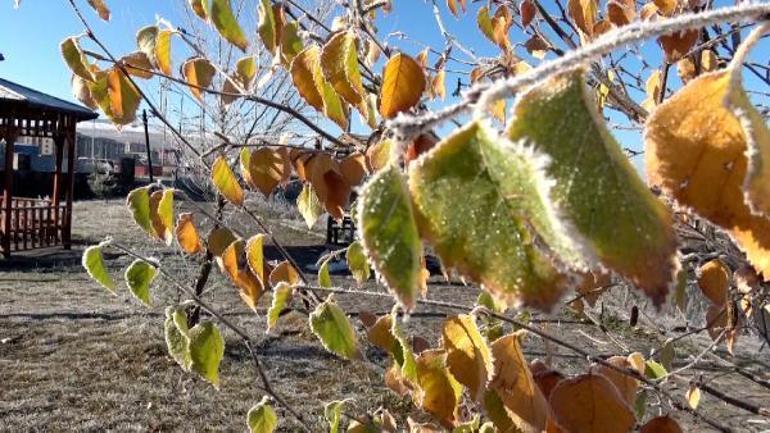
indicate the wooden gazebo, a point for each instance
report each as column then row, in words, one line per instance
column 29, row 223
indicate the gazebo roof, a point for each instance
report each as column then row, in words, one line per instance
column 13, row 93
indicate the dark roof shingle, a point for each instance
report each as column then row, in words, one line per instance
column 16, row 93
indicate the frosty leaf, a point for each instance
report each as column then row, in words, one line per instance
column 700, row 119
column 163, row 51
column 218, row 240
column 312, row 86
column 123, row 98
column 137, row 64
column 625, row 384
column 284, row 272
column 583, row 14
column 246, row 71
column 93, row 262
column 199, row 7
column 262, row 418
column 291, row 42
column 75, row 59
column 146, row 40
column 207, row 348
column 502, row 232
column 693, row 396
column 226, row 182
column 282, row 293
column 221, row 15
column 309, row 206
column 234, row 266
column 138, row 201
column 357, row 262
column 139, row 277
column 389, row 234
column 438, row 393
column 468, row 357
column 82, row 91
column 266, row 27
column 523, row 404
column 601, row 193
column 333, row 415
column 198, row 72
column 378, row 155
column 255, row 255
column 187, row 235
column 339, row 63
column 353, row 168
column 267, row 168
column 654, row 370
column 162, row 214
column 332, row 327
column 177, row 340
column 324, row 278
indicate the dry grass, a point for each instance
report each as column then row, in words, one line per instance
column 75, row 358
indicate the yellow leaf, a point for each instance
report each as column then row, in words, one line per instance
column 123, row 97
column 693, row 396
column 82, row 91
column 163, row 51
column 267, row 169
column 589, row 403
column 696, row 151
column 468, row 357
column 308, row 79
column 226, row 182
column 284, row 272
column 514, row 385
column 353, row 168
column 75, row 59
column 583, row 14
column 255, row 256
column 162, row 214
column 378, row 155
column 403, row 84
column 713, row 281
column 199, row 73
column 438, row 85
column 233, row 263
column 339, row 63
column 187, row 234
column 653, row 87
column 666, row 7
column 267, row 25
column 438, row 393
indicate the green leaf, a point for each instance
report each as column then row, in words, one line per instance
column 207, row 348
column 309, row 206
column 177, row 340
column 389, row 234
column 246, row 71
column 93, row 262
column 602, row 195
column 330, row 324
column 291, row 43
column 282, row 294
column 357, row 262
column 654, row 370
column 139, row 277
column 484, row 204
column 266, row 28
column 75, row 59
column 221, row 15
column 405, row 357
column 138, row 201
column 324, row 278
column 333, row 414
column 226, row 182
column 262, row 418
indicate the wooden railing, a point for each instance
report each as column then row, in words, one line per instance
column 34, row 223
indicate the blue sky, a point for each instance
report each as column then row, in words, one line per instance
column 30, row 36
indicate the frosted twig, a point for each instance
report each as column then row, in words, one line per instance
column 483, row 94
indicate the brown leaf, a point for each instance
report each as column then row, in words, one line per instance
column 589, row 403
column 527, row 10
column 661, row 424
column 677, row 45
column 625, row 384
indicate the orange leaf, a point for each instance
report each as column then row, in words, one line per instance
column 353, row 168
column 284, row 272
column 187, row 234
column 235, row 267
column 625, row 384
column 713, row 281
column 267, row 169
column 403, row 84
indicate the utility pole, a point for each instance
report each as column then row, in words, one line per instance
column 147, row 143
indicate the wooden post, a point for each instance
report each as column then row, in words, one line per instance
column 59, row 140
column 147, row 144
column 10, row 139
column 67, row 228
